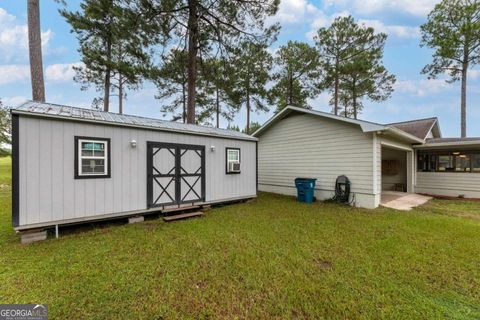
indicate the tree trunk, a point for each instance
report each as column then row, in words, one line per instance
column 217, row 106
column 335, row 89
column 354, row 100
column 120, row 94
column 184, row 102
column 35, row 50
column 463, row 102
column 290, row 88
column 247, row 128
column 192, row 58
column 107, row 85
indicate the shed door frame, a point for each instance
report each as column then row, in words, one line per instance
column 178, row 175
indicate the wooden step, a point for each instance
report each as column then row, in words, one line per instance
column 183, row 216
column 186, row 208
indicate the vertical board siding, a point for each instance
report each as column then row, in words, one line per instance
column 309, row 146
column 49, row 192
column 33, row 165
column 57, row 170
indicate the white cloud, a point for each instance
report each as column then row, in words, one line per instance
column 294, row 11
column 322, row 20
column 61, row 72
column 13, row 101
column 411, row 7
column 473, row 74
column 14, row 39
column 421, row 88
column 399, row 31
column 394, row 30
column 14, row 73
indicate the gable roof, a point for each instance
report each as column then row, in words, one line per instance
column 420, row 128
column 366, row 126
column 49, row 110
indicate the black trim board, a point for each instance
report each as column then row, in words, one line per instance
column 109, row 167
column 256, row 166
column 15, row 171
column 226, row 159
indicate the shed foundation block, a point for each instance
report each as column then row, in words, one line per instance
column 33, row 236
column 136, row 219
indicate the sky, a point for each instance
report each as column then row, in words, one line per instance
column 414, row 97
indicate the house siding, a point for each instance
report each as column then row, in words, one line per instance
column 310, row 146
column 450, row 184
column 49, row 192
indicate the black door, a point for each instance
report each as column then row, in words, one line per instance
column 175, row 174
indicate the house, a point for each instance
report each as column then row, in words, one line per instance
column 73, row 165
column 408, row 156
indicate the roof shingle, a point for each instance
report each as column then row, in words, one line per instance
column 418, row 128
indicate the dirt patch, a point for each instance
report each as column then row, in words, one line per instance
column 324, row 264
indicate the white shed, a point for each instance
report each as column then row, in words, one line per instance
column 72, row 165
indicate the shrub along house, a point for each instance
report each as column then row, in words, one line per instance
column 72, row 165
column 410, row 157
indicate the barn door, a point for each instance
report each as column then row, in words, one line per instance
column 175, row 174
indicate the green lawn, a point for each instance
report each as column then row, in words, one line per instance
column 271, row 258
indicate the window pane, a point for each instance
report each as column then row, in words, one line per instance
column 99, row 153
column 233, row 155
column 99, row 169
column 432, row 166
column 87, row 146
column 93, row 165
column 445, row 163
column 87, row 153
column 476, row 162
column 462, row 163
column 87, row 169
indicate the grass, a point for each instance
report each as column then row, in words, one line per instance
column 272, row 258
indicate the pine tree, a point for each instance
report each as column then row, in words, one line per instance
column 296, row 76
column 252, row 65
column 351, row 56
column 171, row 81
column 453, row 31
column 219, row 80
column 113, row 47
column 211, row 28
column 35, row 50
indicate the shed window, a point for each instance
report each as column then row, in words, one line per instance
column 92, row 157
column 233, row 160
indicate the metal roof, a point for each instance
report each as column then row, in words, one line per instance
column 436, row 143
column 49, row 110
column 445, row 140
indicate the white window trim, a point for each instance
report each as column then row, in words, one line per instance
column 81, row 157
column 238, row 155
column 228, row 161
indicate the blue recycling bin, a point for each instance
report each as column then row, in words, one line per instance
column 305, row 189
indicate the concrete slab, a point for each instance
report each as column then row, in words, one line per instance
column 402, row 201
